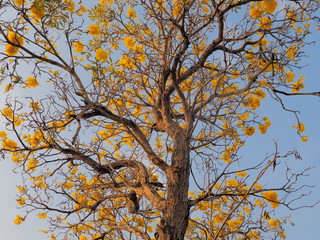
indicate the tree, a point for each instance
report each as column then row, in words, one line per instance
column 135, row 111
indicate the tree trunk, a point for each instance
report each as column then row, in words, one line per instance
column 175, row 218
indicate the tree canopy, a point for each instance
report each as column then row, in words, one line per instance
column 133, row 113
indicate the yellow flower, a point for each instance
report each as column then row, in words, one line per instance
column 274, row 223
column 3, row 134
column 78, row 47
column 304, row 139
column 70, row 4
column 81, row 10
column 270, row 5
column 241, row 174
column 178, row 6
column 300, row 126
column 11, row 50
column 18, row 220
column 234, row 224
column 42, row 215
column 272, row 198
column 253, row 234
column 107, row 2
column 218, row 218
column 32, row 164
column 259, row 93
column 129, row 42
column 19, row 3
column 291, row 52
column 296, row 87
column 15, row 38
column 7, row 112
column 290, row 76
column 247, row 210
column 82, row 237
column 263, row 128
column 35, row 106
column 256, row 11
column 94, row 30
column 131, row 13
column 68, row 185
column 9, row 144
column 258, row 203
column 265, row 23
column 101, row 55
column 126, row 62
column 21, row 189
column 32, row 82
column 232, row 183
column 249, row 131
column 37, row 10
column 9, row 87
column 21, row 201
column 253, row 102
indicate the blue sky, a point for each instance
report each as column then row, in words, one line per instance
column 305, row 219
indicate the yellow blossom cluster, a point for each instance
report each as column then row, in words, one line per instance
column 35, row 106
column 269, row 5
column 289, row 76
column 264, row 127
column 9, row 114
column 274, row 223
column 300, row 127
column 79, row 47
column 37, row 10
column 107, row 2
column 9, row 144
column 232, row 183
column 82, row 237
column 21, row 201
column 38, row 182
column 234, row 224
column 226, row 156
column 218, row 218
column 101, row 55
column 68, row 185
column 18, row 220
column 265, row 23
column 94, row 29
column 272, row 198
column 32, row 164
column 31, row 82
column 254, row 234
column 292, row 52
column 249, row 131
column 241, row 174
column 260, row 8
column 42, row 215
column 34, row 139
column 177, row 7
column 131, row 13
column 19, row 3
column 16, row 39
column 126, row 62
column 129, row 42
column 70, row 5
column 297, row 86
column 253, row 102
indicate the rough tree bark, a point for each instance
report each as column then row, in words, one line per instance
column 175, row 218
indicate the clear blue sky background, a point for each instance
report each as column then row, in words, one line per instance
column 306, row 220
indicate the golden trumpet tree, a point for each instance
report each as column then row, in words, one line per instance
column 134, row 112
